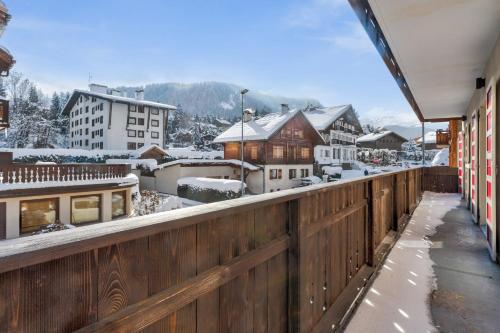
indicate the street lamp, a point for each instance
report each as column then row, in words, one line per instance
column 242, row 92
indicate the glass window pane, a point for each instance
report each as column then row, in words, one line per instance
column 37, row 213
column 118, row 204
column 85, row 209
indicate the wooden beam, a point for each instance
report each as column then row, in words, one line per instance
column 328, row 221
column 144, row 313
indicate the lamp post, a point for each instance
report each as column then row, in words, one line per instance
column 242, row 92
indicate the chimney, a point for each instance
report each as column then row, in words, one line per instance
column 98, row 88
column 247, row 115
column 116, row 92
column 284, row 108
column 139, row 94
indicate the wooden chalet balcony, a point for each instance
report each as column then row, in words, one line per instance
column 443, row 138
column 289, row 261
column 4, row 114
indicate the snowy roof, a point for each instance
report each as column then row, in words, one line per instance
column 377, row 135
column 236, row 163
column 118, row 99
column 430, row 137
column 259, row 129
column 211, row 183
column 321, row 118
column 144, row 149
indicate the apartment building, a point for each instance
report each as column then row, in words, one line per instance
column 340, row 127
column 281, row 143
column 102, row 118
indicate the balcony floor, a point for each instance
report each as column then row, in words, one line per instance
column 438, row 276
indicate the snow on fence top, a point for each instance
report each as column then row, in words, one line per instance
column 192, row 153
column 221, row 185
column 194, row 162
column 147, row 163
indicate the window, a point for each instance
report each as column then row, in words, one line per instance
column 81, row 131
column 86, row 142
column 86, row 120
column 86, row 109
column 85, row 209
column 140, row 134
column 140, row 121
column 131, row 146
column 275, row 173
column 140, row 144
column 253, row 152
column 155, row 123
column 155, row 111
column 37, row 213
column 132, row 120
column 304, row 153
column 155, row 135
column 101, row 119
column 304, row 173
column 100, row 144
column 298, row 133
column 327, row 153
column 118, row 203
column 292, row 173
column 101, row 133
column 131, row 133
column 140, row 108
column 286, row 133
column 101, row 106
column 277, row 152
column 132, row 108
column 86, row 131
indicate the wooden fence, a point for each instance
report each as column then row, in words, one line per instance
column 33, row 173
column 289, row 261
column 441, row 179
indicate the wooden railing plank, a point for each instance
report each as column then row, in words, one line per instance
column 144, row 313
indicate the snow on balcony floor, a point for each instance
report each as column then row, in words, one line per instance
column 398, row 300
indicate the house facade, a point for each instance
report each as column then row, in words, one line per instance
column 103, row 119
column 340, row 128
column 281, row 143
column 33, row 196
column 381, row 140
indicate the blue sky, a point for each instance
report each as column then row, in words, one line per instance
column 297, row 48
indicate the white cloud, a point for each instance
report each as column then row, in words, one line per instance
column 313, row 14
column 380, row 116
column 354, row 39
column 37, row 25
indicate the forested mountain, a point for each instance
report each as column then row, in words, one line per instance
column 215, row 98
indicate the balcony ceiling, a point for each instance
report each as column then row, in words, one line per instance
column 441, row 47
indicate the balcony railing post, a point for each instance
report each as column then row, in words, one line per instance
column 370, row 251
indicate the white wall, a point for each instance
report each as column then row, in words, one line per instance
column 116, row 137
column 284, row 183
column 14, row 208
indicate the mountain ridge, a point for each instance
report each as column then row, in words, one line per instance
column 214, row 98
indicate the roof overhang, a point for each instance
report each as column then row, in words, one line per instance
column 435, row 50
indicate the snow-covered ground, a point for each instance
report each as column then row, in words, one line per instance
column 398, row 300
column 441, row 158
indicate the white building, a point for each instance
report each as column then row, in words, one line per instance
column 103, row 118
column 340, row 127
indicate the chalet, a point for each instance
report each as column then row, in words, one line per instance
column 340, row 127
column 104, row 119
column 382, row 140
column 282, row 143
